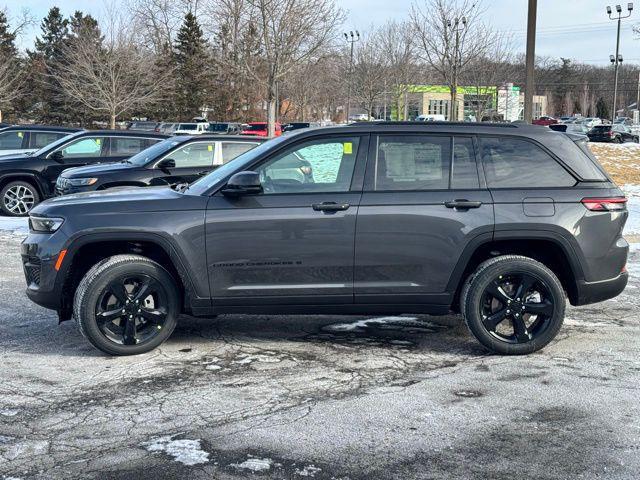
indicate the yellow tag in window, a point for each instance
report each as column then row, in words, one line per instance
column 98, row 141
column 20, row 134
column 347, row 148
column 210, row 148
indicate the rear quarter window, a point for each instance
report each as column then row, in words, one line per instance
column 517, row 163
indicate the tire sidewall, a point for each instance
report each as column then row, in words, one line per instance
column 475, row 293
column 33, row 189
column 96, row 288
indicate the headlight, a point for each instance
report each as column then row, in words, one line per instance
column 81, row 182
column 46, row 225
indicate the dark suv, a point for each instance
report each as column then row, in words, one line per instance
column 176, row 160
column 498, row 222
column 26, row 179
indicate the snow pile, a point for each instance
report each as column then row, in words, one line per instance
column 16, row 225
column 254, row 464
column 632, row 192
column 188, row 452
column 308, row 471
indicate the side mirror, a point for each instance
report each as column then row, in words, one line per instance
column 57, row 156
column 166, row 164
column 243, row 183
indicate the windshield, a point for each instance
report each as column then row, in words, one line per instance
column 601, row 128
column 148, row 154
column 238, row 164
column 53, row 146
column 187, row 126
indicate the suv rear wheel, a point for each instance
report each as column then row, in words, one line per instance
column 513, row 305
column 126, row 305
column 18, row 198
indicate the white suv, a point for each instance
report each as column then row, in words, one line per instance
column 191, row 128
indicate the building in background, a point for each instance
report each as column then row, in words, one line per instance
column 474, row 103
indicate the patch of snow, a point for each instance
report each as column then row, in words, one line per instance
column 308, row 471
column 363, row 324
column 188, row 452
column 213, row 367
column 254, row 464
column 16, row 225
column 9, row 413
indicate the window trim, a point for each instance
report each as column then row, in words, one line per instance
column 554, row 157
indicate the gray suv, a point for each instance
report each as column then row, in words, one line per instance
column 498, row 222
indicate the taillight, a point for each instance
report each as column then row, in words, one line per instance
column 605, row 204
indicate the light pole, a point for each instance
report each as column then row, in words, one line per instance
column 530, row 61
column 458, row 26
column 351, row 38
column 618, row 58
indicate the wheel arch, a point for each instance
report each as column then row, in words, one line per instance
column 86, row 250
column 547, row 247
column 31, row 178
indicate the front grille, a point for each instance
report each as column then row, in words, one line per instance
column 62, row 186
column 32, row 270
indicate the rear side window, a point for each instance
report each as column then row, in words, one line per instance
column 194, row 155
column 125, row 147
column 231, row 150
column 464, row 172
column 516, row 163
column 413, row 162
column 42, row 139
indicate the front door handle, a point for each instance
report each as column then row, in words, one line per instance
column 330, row 207
column 462, row 204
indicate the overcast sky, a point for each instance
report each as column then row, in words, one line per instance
column 577, row 29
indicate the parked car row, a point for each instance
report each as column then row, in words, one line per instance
column 218, row 128
column 78, row 161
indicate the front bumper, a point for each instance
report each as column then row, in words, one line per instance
column 44, row 283
column 593, row 292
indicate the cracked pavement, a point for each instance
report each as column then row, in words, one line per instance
column 318, row 397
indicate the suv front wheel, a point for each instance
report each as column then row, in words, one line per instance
column 126, row 305
column 513, row 305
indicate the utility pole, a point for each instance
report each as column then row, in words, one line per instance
column 351, row 38
column 529, row 85
column 617, row 60
column 458, row 27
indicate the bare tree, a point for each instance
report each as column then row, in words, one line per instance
column 110, row 76
column 11, row 82
column 157, row 21
column 291, row 33
column 369, row 73
column 450, row 37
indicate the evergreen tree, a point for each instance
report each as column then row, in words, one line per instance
column 48, row 101
column 7, row 38
column 192, row 65
column 602, row 109
column 84, row 27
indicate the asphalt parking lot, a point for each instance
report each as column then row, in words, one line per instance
column 318, row 397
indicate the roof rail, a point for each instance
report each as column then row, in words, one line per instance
column 446, row 124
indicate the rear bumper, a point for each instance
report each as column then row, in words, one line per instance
column 592, row 292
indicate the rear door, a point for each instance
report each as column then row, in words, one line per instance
column 423, row 205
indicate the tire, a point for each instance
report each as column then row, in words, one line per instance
column 529, row 331
column 17, row 198
column 94, row 301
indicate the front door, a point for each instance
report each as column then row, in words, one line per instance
column 294, row 243
column 422, row 205
column 77, row 153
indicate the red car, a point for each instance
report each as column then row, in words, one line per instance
column 260, row 129
column 545, row 121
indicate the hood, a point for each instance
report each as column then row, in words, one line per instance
column 5, row 153
column 97, row 169
column 12, row 157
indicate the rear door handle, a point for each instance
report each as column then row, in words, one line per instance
column 462, row 204
column 330, row 207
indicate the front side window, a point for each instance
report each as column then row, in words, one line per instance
column 42, row 139
column 231, row 150
column 11, row 140
column 413, row 162
column 194, row 155
column 516, row 163
column 83, row 147
column 324, row 165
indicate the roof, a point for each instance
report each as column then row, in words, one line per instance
column 47, row 128
column 217, row 138
column 126, row 133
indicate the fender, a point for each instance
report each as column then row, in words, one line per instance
column 73, row 244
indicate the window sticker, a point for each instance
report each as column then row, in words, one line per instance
column 98, row 141
column 210, row 148
column 347, row 148
column 20, row 134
